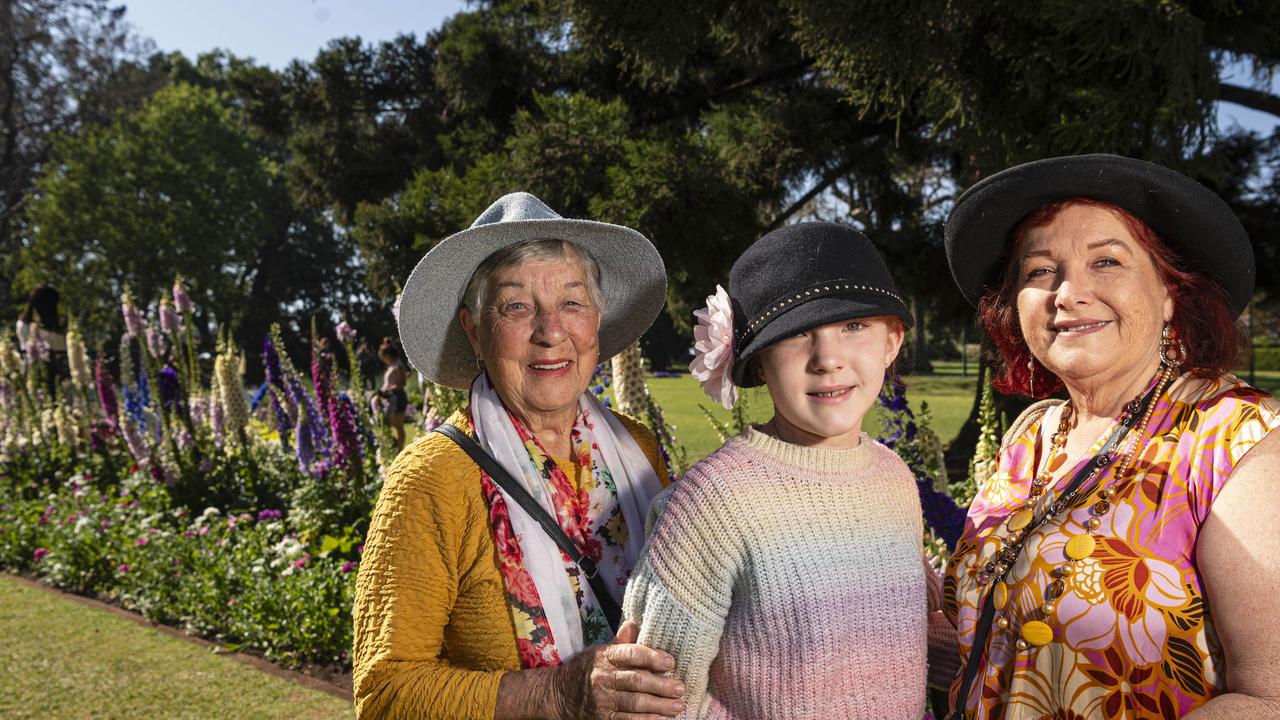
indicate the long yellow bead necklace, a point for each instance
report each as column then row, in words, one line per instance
column 1081, row 546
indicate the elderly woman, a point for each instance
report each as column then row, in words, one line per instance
column 466, row 606
column 1120, row 563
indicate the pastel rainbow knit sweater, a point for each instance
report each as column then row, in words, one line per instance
column 788, row 583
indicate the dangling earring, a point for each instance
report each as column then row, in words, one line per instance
column 1169, row 341
column 480, row 363
column 1031, row 368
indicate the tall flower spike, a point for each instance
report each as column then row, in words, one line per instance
column 628, row 380
column 170, row 323
column 106, row 392
column 345, row 332
column 134, row 325
column 180, row 297
column 713, row 349
column 78, row 358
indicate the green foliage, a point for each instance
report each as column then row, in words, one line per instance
column 104, row 212
column 1266, row 357
column 739, row 419
column 242, row 578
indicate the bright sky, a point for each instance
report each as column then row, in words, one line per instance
column 273, row 32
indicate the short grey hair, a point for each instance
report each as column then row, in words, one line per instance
column 477, row 295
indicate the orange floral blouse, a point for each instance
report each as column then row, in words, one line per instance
column 1133, row 634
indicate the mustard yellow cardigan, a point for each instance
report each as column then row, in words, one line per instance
column 433, row 632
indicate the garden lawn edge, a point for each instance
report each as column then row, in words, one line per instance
column 342, row 691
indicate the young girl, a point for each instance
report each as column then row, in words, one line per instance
column 785, row 571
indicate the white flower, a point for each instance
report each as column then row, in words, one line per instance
column 84, row 522
column 713, row 349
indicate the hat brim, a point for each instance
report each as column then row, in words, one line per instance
column 1196, row 223
column 809, row 315
column 632, row 278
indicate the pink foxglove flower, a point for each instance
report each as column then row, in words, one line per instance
column 181, row 299
column 134, row 324
column 155, row 342
column 713, row 349
column 169, row 321
column 345, row 332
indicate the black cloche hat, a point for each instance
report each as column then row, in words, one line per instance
column 1194, row 221
column 804, row 276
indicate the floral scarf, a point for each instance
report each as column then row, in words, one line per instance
column 601, row 508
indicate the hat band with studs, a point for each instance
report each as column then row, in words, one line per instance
column 829, row 287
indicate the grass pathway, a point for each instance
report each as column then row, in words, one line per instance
column 63, row 659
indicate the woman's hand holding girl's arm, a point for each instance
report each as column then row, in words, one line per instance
column 619, row 681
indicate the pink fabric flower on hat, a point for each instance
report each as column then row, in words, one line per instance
column 713, row 349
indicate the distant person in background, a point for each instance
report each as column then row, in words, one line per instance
column 396, row 401
column 40, row 332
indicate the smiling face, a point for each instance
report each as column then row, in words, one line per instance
column 539, row 337
column 1091, row 304
column 823, row 381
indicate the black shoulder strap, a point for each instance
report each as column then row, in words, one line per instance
column 498, row 474
column 1066, row 499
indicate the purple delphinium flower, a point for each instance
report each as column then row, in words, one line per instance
column 346, row 442
column 345, row 332
column 306, row 446
column 268, row 514
column 940, row 512
column 106, row 392
column 271, row 361
column 169, row 386
column 136, row 400
column 169, row 320
column 283, row 424
column 322, row 381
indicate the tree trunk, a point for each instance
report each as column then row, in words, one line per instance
column 920, row 345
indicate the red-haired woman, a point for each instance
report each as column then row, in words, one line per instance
column 1120, row 563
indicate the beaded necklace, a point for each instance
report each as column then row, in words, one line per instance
column 1038, row 632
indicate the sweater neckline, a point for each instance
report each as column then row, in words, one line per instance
column 810, row 458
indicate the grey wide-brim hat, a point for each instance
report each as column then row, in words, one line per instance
column 632, row 278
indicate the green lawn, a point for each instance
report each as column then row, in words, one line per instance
column 63, row 659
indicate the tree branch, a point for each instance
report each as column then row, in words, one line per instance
column 1250, row 98
column 813, row 192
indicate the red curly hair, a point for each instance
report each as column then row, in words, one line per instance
column 1202, row 314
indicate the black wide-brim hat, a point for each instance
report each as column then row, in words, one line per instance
column 1196, row 223
column 804, row 276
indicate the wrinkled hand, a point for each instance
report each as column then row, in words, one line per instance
column 621, row 681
